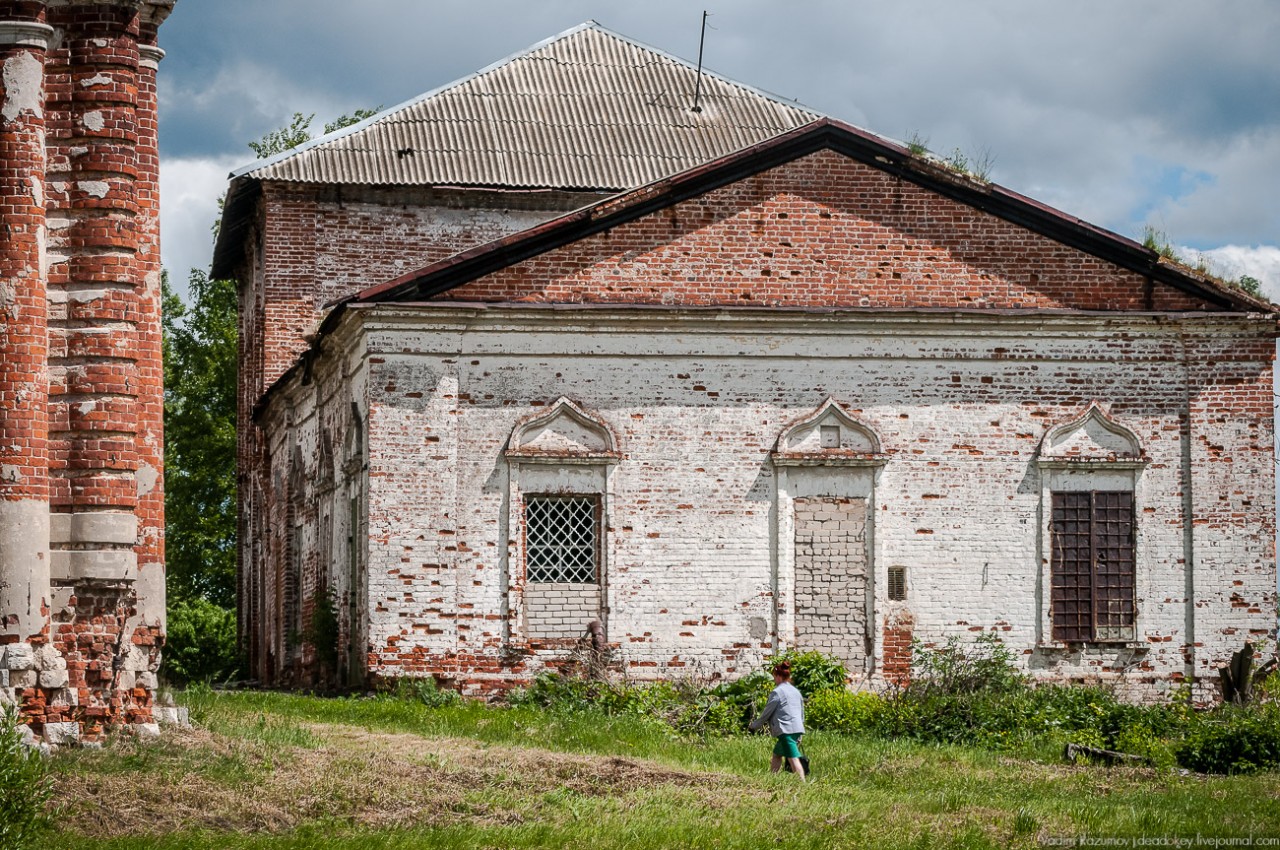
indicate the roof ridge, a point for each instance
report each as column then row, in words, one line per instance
column 590, row 24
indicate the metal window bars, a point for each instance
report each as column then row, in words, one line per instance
column 561, row 538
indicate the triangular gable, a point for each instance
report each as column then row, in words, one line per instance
column 886, row 229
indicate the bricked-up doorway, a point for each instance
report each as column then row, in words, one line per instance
column 831, row 578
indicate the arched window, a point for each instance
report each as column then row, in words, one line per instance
column 1089, row 474
column 560, row 462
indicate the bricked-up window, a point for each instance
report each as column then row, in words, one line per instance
column 561, row 538
column 1093, row 566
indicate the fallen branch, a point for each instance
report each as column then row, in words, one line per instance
column 1108, row 756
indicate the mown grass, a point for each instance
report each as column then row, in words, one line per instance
column 278, row 770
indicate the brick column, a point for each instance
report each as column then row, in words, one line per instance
column 94, row 337
column 150, row 434
column 24, row 381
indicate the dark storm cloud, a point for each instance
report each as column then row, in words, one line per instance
column 1125, row 113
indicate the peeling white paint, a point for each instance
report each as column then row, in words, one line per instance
column 94, row 121
column 98, row 80
column 148, row 476
column 23, row 77
column 86, row 407
column 83, row 296
column 9, row 473
column 96, row 188
column 37, row 190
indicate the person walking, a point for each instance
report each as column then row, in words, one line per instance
column 784, row 712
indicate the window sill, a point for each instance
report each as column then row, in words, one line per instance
column 1060, row 646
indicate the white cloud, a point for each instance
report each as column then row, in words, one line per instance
column 189, row 191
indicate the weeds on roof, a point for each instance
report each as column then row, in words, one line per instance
column 1157, row 240
column 976, row 166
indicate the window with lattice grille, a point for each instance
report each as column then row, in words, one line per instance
column 1093, row 567
column 561, row 538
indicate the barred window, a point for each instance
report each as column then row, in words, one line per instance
column 1093, row 566
column 561, row 538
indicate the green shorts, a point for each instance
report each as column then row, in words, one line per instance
column 788, row 746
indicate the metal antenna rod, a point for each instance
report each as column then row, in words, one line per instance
column 697, row 90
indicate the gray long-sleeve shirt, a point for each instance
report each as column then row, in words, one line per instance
column 784, row 712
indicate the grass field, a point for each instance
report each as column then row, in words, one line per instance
column 282, row 771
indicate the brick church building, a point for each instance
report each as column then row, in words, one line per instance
column 556, row 344
column 82, row 596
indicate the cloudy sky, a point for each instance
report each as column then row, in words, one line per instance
column 1142, row 112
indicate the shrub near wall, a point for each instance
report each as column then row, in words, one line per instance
column 967, row 694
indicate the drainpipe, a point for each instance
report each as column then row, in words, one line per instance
column 1188, row 518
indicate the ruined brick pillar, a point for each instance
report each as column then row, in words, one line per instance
column 24, row 382
column 101, row 538
column 149, row 550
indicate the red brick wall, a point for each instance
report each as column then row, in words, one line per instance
column 24, row 383
column 93, row 171
column 824, row 231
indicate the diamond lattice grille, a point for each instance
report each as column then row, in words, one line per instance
column 561, row 537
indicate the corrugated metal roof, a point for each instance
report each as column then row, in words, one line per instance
column 587, row 109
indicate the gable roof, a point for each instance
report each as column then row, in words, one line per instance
column 822, row 134
column 588, row 109
column 585, row 109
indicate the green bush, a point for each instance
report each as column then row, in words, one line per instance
column 25, row 787
column 322, row 632
column 812, row 671
column 844, row 711
column 426, row 691
column 986, row 666
column 746, row 696
column 201, row 643
column 1233, row 740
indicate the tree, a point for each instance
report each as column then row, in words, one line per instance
column 200, row 445
column 200, row 360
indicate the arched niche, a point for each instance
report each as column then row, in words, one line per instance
column 1093, row 437
column 1091, row 586
column 828, row 436
column 561, row 462
column 827, row 463
column 565, row 433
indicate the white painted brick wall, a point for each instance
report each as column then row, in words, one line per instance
column 694, row 562
column 560, row 610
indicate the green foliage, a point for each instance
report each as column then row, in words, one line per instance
column 426, row 692
column 845, row 711
column 812, row 671
column 298, row 132
column 1156, row 240
column 323, row 631
column 201, row 645
column 347, row 120
column 1233, row 740
column 954, row 668
column 1249, row 284
column 200, row 344
column 26, row 788
column 684, row 708
column 917, row 144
